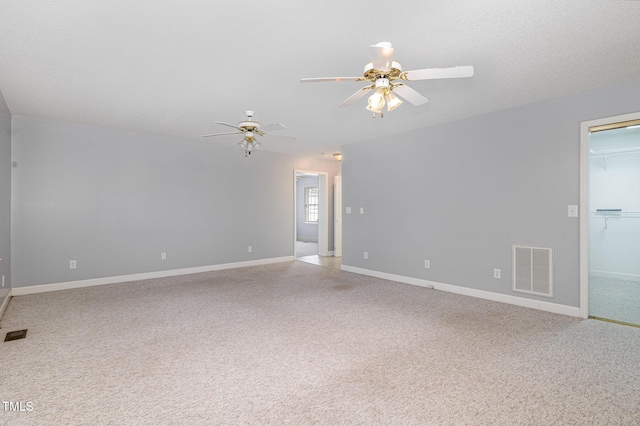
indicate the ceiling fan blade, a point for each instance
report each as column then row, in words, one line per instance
column 410, row 94
column 222, row 134
column 279, row 136
column 381, row 56
column 435, row 73
column 273, row 127
column 353, row 98
column 324, row 79
column 229, row 125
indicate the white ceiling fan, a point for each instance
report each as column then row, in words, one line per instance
column 250, row 129
column 384, row 72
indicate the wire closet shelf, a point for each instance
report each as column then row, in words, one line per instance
column 607, row 214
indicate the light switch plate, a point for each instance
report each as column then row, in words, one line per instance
column 572, row 211
column 348, row 209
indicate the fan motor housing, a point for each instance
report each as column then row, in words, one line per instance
column 370, row 73
column 249, row 125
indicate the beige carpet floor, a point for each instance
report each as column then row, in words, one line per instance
column 300, row 344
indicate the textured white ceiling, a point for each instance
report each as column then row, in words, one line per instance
column 173, row 67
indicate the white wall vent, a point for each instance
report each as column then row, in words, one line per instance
column 533, row 270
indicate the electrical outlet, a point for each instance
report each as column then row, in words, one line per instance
column 366, row 255
column 163, row 256
column 250, row 249
column 73, row 264
column 348, row 210
column 427, row 264
column 496, row 273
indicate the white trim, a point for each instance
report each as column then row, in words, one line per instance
column 584, row 219
column 480, row 294
column 337, row 215
column 584, row 202
column 5, row 303
column 20, row 291
column 308, row 239
column 615, row 275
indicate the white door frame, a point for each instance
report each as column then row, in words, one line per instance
column 584, row 202
column 323, row 213
column 337, row 216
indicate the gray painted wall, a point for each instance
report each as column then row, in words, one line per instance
column 461, row 194
column 114, row 200
column 4, row 109
column 305, row 231
column 5, row 201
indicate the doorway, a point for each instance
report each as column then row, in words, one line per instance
column 610, row 223
column 319, row 210
column 311, row 219
column 307, row 222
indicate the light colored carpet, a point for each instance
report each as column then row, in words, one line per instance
column 294, row 343
column 614, row 299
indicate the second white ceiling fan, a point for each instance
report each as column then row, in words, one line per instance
column 250, row 129
column 384, row 73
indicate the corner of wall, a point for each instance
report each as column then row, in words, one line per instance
column 5, row 202
column 5, row 303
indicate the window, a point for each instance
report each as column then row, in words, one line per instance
column 311, row 204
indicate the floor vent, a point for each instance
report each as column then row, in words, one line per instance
column 15, row 335
column 533, row 270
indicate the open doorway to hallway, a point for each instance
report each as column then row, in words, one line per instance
column 307, row 213
column 311, row 195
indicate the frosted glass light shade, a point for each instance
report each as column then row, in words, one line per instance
column 376, row 101
column 393, row 101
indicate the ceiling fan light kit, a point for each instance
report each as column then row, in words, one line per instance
column 383, row 93
column 382, row 71
column 249, row 146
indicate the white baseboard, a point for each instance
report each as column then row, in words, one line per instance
column 481, row 294
column 5, row 303
column 42, row 288
column 307, row 239
column 615, row 275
